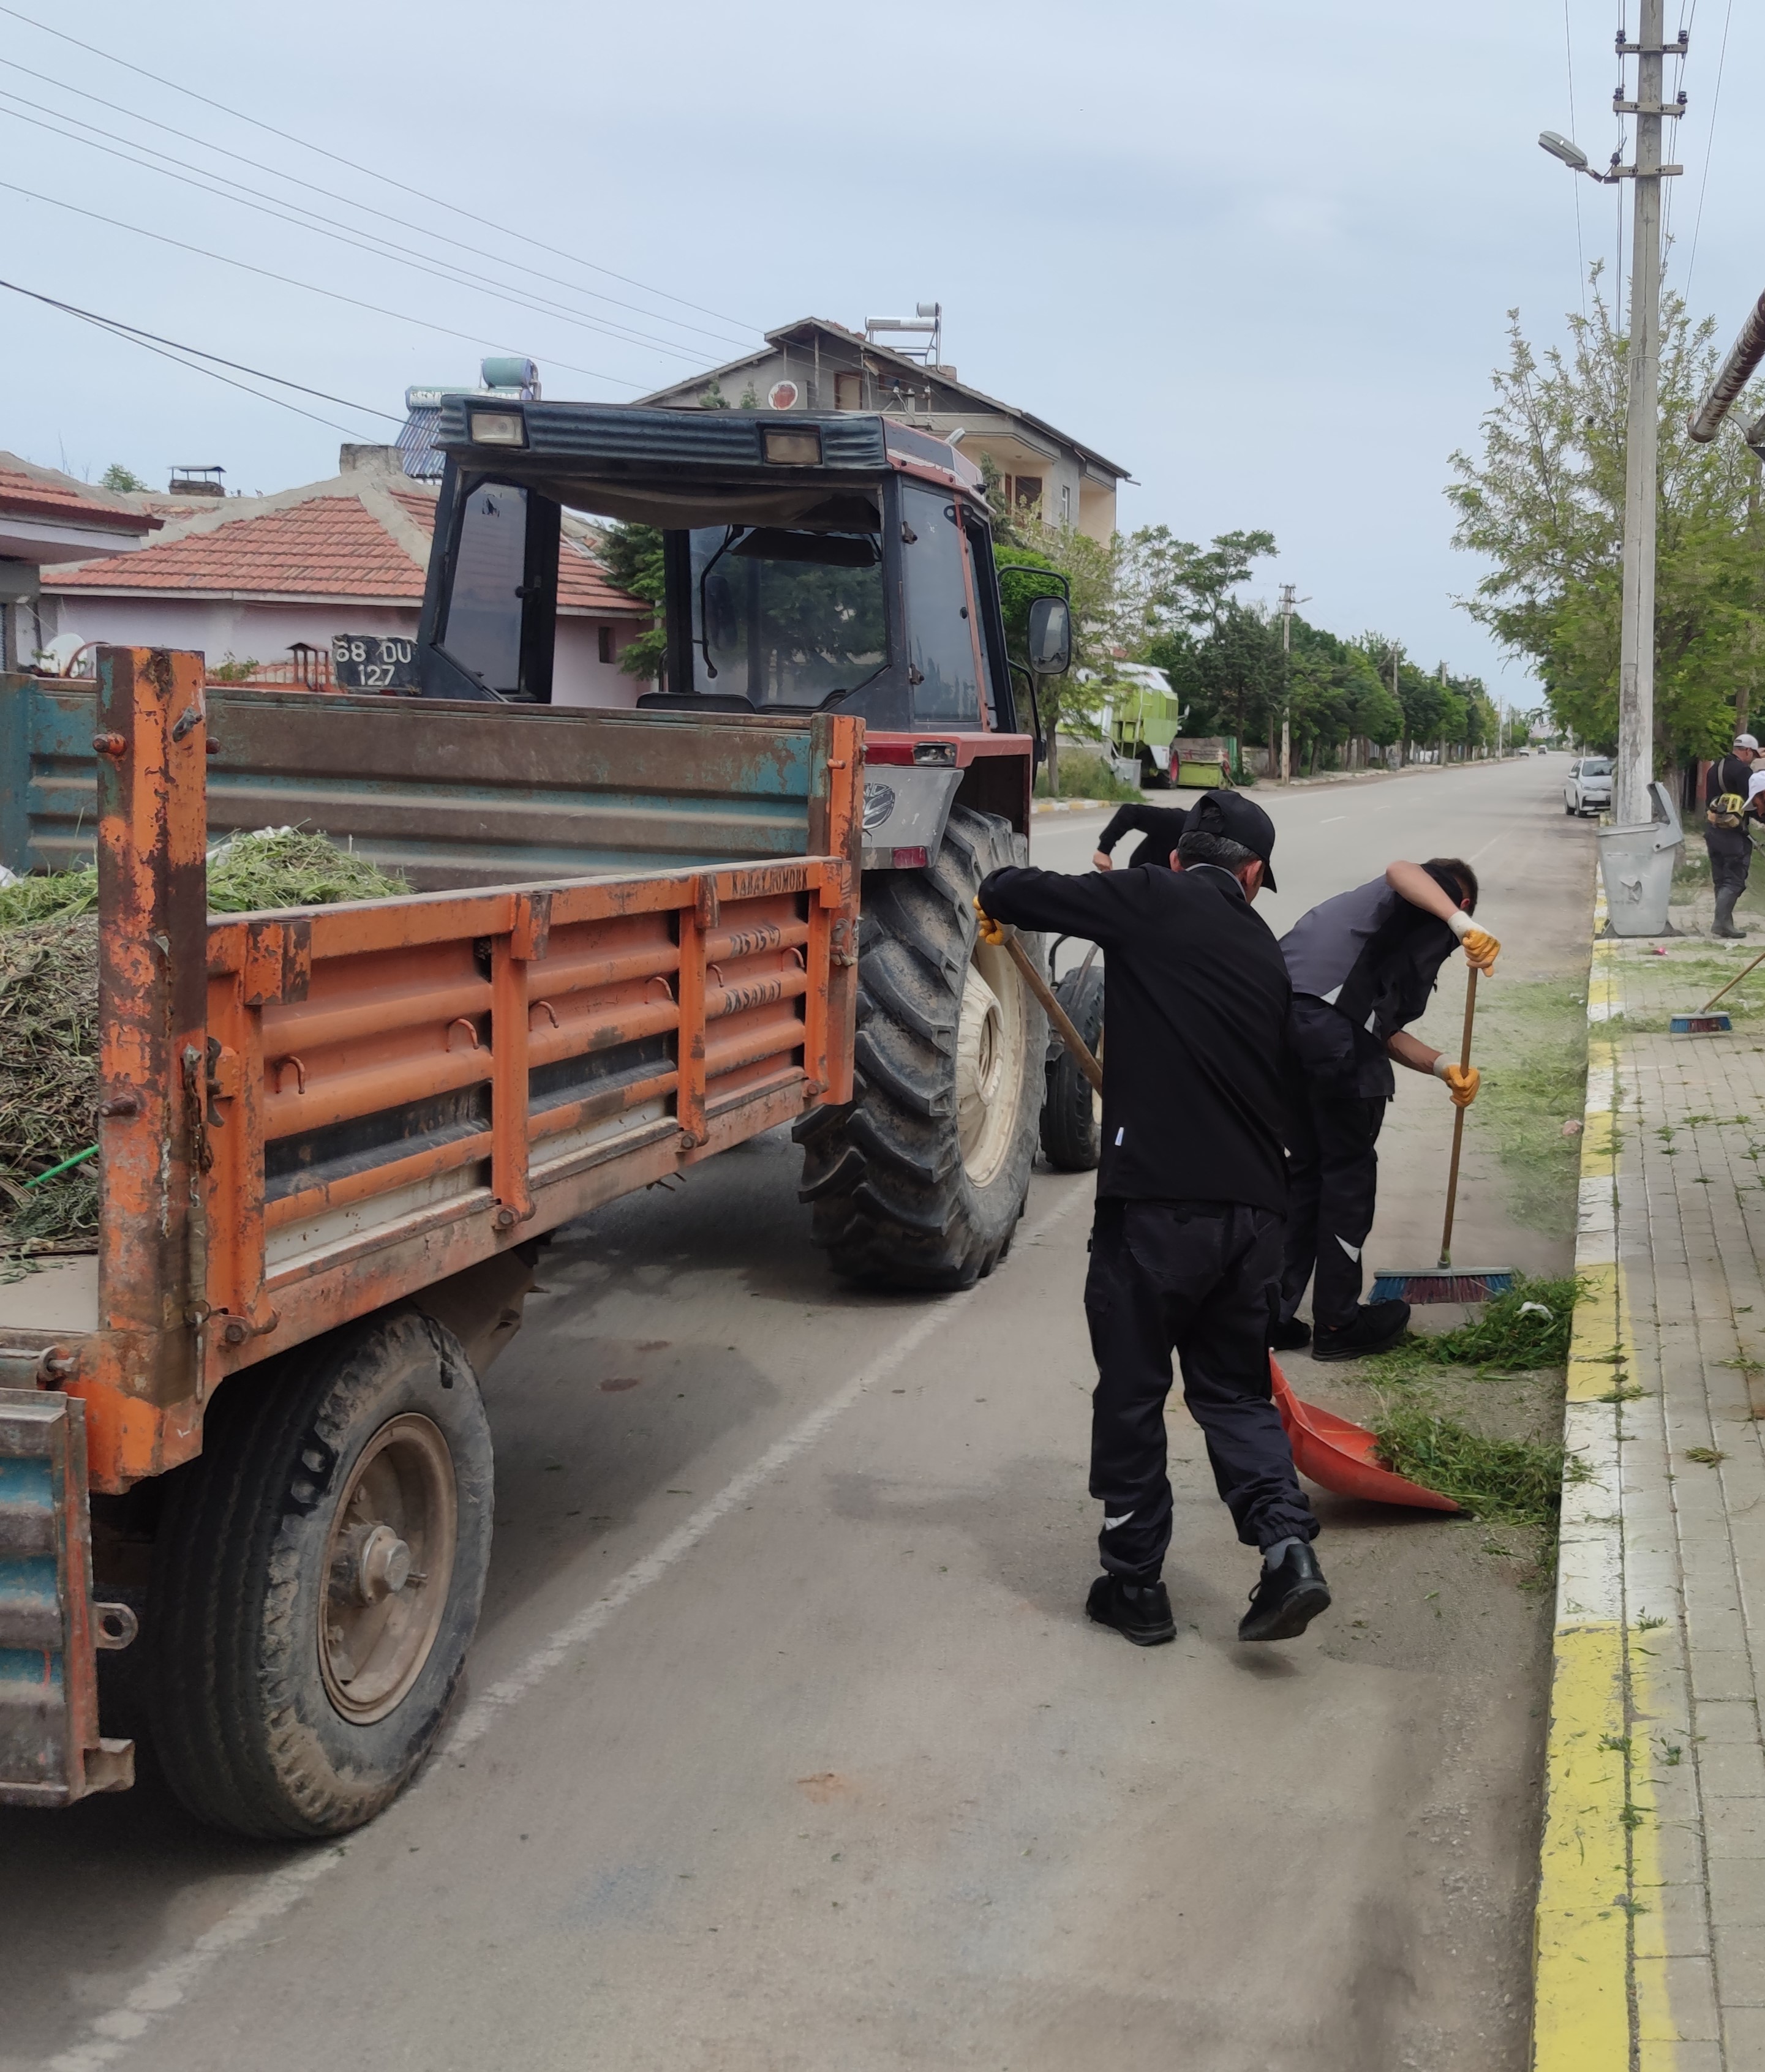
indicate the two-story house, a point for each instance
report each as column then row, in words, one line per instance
column 816, row 365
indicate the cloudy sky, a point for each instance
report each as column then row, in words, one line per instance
column 1260, row 253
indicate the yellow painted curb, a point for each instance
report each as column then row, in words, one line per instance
column 1600, row 1999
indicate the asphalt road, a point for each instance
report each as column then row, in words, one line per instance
column 786, row 1744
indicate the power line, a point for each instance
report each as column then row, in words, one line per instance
column 140, row 336
column 330, row 194
column 369, row 172
column 1581, row 256
column 288, row 281
column 118, row 331
column 1710, row 146
column 369, row 241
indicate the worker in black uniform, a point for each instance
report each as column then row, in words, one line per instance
column 1363, row 965
column 1186, row 1246
column 1726, row 840
column 1161, row 828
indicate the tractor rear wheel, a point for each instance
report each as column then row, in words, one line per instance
column 1071, row 1110
column 919, row 1182
column 318, row 1577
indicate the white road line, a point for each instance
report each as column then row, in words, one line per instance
column 109, row 2035
column 1333, row 819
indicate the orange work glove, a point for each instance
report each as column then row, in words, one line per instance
column 1480, row 947
column 1462, row 1081
column 991, row 931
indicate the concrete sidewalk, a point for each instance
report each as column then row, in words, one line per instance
column 1650, row 1948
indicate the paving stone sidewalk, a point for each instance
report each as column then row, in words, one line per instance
column 1651, row 1920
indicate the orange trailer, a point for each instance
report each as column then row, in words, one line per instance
column 328, row 1139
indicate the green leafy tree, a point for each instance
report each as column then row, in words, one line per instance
column 120, row 480
column 1543, row 503
column 1090, row 567
column 633, row 558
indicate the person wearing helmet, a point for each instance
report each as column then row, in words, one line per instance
column 1728, row 792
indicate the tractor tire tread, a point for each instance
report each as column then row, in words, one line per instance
column 891, row 1202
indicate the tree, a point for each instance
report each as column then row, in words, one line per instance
column 120, row 480
column 1543, row 502
column 632, row 557
column 1090, row 568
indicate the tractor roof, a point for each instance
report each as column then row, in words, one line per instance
column 677, row 468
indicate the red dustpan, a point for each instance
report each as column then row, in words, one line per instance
column 1343, row 1458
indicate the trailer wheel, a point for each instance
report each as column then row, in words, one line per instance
column 919, row 1182
column 319, row 1575
column 1071, row 1110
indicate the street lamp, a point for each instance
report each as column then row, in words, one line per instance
column 1572, row 154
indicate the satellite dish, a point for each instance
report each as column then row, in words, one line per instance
column 784, row 396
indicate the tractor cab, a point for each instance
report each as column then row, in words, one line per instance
column 813, row 563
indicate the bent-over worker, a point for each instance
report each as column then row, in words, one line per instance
column 1363, row 965
column 1160, row 826
column 1186, row 1246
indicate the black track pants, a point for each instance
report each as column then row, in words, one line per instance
column 1201, row 1277
column 1333, row 1179
column 1731, row 859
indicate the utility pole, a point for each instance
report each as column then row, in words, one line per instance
column 1631, row 805
column 1403, row 752
column 1443, row 717
column 1287, row 602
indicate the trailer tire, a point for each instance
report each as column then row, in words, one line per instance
column 341, row 1509
column 919, row 1181
column 1071, row 1112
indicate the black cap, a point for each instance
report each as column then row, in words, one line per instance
column 1235, row 818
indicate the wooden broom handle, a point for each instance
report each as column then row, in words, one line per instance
column 1459, row 1123
column 1056, row 1012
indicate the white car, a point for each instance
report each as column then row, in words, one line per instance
column 1588, row 786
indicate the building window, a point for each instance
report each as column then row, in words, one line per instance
column 1026, row 492
column 606, row 643
column 1066, row 504
column 849, row 391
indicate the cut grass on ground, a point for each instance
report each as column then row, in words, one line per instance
column 1503, row 1482
column 1518, row 1332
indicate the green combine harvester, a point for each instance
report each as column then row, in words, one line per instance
column 1145, row 718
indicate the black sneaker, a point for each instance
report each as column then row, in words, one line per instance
column 1287, row 1599
column 1288, row 1338
column 1139, row 1612
column 1376, row 1326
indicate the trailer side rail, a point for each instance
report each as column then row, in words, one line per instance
column 305, row 1115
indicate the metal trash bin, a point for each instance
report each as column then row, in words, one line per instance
column 1637, row 863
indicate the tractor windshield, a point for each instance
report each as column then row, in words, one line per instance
column 788, row 619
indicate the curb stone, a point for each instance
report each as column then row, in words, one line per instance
column 1603, row 1955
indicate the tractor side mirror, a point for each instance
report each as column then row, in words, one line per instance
column 1050, row 636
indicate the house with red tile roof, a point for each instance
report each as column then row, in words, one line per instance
column 259, row 579
column 48, row 517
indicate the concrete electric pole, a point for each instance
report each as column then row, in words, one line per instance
column 1287, row 683
column 1631, row 805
